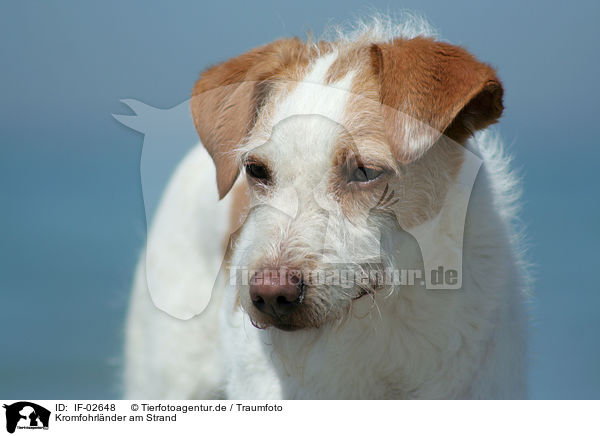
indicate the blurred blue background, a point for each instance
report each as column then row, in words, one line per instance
column 71, row 212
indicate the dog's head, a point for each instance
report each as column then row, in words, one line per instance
column 343, row 145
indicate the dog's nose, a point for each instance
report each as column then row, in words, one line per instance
column 277, row 293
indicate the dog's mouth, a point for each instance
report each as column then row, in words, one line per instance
column 306, row 315
column 266, row 321
column 286, row 327
column 362, row 292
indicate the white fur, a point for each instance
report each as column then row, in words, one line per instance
column 406, row 343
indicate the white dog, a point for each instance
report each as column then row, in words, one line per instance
column 359, row 156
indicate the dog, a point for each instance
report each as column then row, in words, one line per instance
column 337, row 162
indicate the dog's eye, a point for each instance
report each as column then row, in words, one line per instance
column 364, row 174
column 258, row 172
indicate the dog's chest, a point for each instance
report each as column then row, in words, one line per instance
column 327, row 364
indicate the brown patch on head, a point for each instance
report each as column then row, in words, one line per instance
column 237, row 215
column 429, row 88
column 239, row 206
column 408, row 95
column 350, row 57
column 363, row 121
column 227, row 97
column 285, row 80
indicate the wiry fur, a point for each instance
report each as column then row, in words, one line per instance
column 404, row 342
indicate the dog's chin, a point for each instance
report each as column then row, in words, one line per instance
column 287, row 327
column 262, row 321
column 303, row 318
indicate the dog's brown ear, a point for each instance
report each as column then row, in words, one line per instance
column 227, row 96
column 429, row 88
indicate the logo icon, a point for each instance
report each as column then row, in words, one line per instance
column 26, row 415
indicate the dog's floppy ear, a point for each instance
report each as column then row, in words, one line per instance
column 429, row 88
column 227, row 96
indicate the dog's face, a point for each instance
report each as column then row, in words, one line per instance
column 343, row 145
